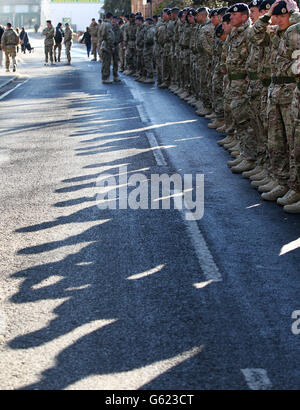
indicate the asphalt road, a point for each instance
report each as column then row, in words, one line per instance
column 133, row 299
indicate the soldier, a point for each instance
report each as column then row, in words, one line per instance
column 99, row 45
column 93, row 29
column 49, row 32
column 107, row 39
column 68, row 41
column 58, row 38
column 130, row 44
column 121, row 47
column 118, row 39
column 173, row 38
column 140, row 32
column 9, row 43
column 148, row 51
column 158, row 51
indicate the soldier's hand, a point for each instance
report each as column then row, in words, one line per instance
column 272, row 7
column 291, row 5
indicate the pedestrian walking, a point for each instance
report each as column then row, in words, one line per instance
column 9, row 43
column 86, row 39
column 24, row 41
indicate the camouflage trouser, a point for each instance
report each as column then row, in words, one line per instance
column 166, row 66
column 176, row 79
column 186, row 69
column 1, row 57
column 122, row 58
column 193, row 74
column 115, row 60
column 217, row 94
column 49, row 53
column 140, row 62
column 131, row 58
column 281, row 134
column 204, row 86
column 159, row 65
column 254, row 94
column 148, row 61
column 94, row 47
column 58, row 46
column 10, row 52
column 296, row 138
column 68, row 46
column 106, row 62
column 229, row 124
column 99, row 51
column 239, row 106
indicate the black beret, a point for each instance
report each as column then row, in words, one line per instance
column 139, row 18
column 126, row 16
column 168, row 11
column 213, row 13
column 222, row 11
column 138, row 13
column 239, row 7
column 175, row 9
column 108, row 15
column 180, row 14
column 149, row 19
column 226, row 18
column 131, row 15
column 219, row 30
column 202, row 10
column 266, row 4
column 280, row 9
column 255, row 3
column 191, row 12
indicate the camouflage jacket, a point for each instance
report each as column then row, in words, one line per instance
column 186, row 36
column 238, row 49
column 118, row 33
column 130, row 34
column 9, row 38
column 140, row 34
column 49, row 32
column 198, row 47
column 93, row 30
column 289, row 52
column 106, row 36
column 206, row 38
column 68, row 38
column 149, row 39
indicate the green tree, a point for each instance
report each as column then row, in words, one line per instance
column 119, row 7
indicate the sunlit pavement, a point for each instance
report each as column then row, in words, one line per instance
column 133, row 299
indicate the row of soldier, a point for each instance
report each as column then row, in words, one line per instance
column 239, row 67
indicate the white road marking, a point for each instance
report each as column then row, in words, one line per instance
column 142, row 113
column 10, row 91
column 146, row 273
column 204, row 256
column 156, row 149
column 257, row 379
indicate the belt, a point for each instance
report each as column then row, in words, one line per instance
column 283, row 80
column 236, row 76
column 252, row 76
column 266, row 82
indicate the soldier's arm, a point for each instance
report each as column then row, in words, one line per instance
column 208, row 41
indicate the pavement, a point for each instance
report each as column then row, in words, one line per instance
column 109, row 299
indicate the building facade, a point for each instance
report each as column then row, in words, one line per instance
column 144, row 7
column 20, row 12
column 76, row 12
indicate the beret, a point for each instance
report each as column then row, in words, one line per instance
column 238, row 8
column 131, row 15
column 280, row 9
column 226, row 18
column 138, row 13
column 108, row 15
column 180, row 14
column 149, row 19
column 213, row 13
column 175, row 9
column 202, row 9
column 191, row 12
column 255, row 3
column 223, row 10
column 139, row 18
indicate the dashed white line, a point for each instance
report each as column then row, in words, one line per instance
column 257, row 379
column 156, row 149
column 13, row 89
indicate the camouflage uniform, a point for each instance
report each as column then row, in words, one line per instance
column 148, row 51
column 48, row 32
column 217, row 81
column 180, row 55
column 158, row 50
column 228, row 118
column 93, row 29
column 118, row 39
column 280, row 118
column 176, row 59
column 68, row 40
column 107, row 38
column 203, row 61
column 167, row 60
column 238, row 52
column 130, row 38
column 140, row 33
column 122, row 50
column 186, row 52
column 9, row 42
column 193, row 60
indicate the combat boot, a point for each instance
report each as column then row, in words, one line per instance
column 149, row 81
column 230, row 144
column 117, row 79
column 268, row 187
column 261, row 182
column 141, row 79
column 289, row 198
column 211, row 116
column 183, row 95
column 222, row 129
column 259, row 176
column 226, row 140
column 235, row 148
column 276, row 193
column 163, row 85
column 202, row 112
column 235, row 162
column 243, row 166
column 235, row 154
column 292, row 208
column 254, row 171
column 216, row 124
